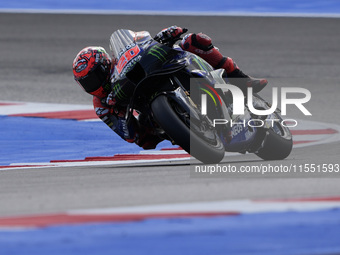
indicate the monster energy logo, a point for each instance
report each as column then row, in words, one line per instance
column 158, row 52
column 119, row 93
column 201, row 63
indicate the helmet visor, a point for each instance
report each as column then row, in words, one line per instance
column 94, row 80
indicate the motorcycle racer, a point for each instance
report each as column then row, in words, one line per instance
column 93, row 71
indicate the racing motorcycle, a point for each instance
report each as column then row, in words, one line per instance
column 167, row 85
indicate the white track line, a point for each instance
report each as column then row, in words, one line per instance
column 26, row 107
column 239, row 206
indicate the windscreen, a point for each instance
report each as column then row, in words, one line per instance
column 125, row 49
column 120, row 41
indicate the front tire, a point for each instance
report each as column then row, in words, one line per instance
column 208, row 150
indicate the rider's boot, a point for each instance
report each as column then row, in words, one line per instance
column 201, row 45
column 243, row 81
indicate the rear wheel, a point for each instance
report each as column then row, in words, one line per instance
column 278, row 142
column 199, row 139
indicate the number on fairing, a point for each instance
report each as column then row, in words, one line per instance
column 126, row 58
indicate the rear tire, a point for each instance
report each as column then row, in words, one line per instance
column 277, row 143
column 275, row 147
column 208, row 151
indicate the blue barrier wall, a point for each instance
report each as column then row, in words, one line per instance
column 244, row 6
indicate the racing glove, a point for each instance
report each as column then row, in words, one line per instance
column 170, row 35
column 114, row 107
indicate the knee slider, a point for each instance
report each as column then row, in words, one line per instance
column 200, row 41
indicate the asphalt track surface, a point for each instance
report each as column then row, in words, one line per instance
column 37, row 51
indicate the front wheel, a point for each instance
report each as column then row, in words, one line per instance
column 200, row 141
